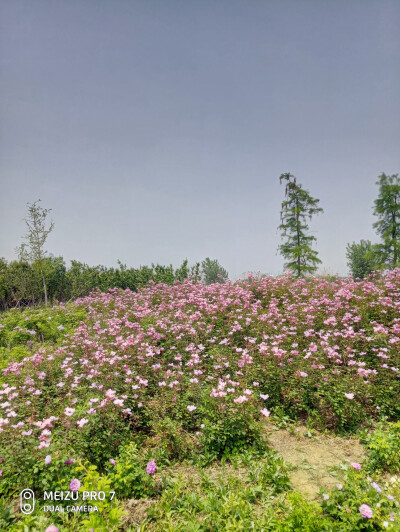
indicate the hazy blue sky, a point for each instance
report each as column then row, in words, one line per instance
column 157, row 130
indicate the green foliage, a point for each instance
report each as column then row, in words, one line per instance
column 222, row 504
column 106, row 518
column 295, row 514
column 229, row 428
column 25, row 466
column 102, row 438
column 128, row 476
column 335, row 411
column 384, row 448
column 342, row 505
column 361, row 259
column 21, row 282
column 7, row 515
column 233, row 502
column 299, row 205
column 270, row 472
column 213, row 272
column 173, row 438
column 387, row 209
column 26, row 328
column 15, row 354
column 33, row 250
column 109, row 512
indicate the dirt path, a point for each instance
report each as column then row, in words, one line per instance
column 312, row 458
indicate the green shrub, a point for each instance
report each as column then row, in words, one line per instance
column 129, row 478
column 39, row 324
column 173, row 439
column 295, row 515
column 7, row 515
column 24, row 466
column 102, row 437
column 384, row 448
column 270, row 473
column 229, row 427
column 109, row 511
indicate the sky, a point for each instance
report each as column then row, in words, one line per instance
column 157, row 130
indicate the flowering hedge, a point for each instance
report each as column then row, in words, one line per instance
column 215, row 360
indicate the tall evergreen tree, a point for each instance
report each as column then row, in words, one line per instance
column 296, row 208
column 387, row 209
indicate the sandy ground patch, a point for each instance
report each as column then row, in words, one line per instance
column 136, row 511
column 311, row 458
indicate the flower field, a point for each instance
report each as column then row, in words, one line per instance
column 111, row 392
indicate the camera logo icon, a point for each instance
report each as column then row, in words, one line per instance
column 27, row 501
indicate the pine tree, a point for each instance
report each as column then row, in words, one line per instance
column 296, row 208
column 387, row 209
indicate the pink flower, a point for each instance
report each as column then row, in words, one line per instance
column 74, row 485
column 191, row 408
column 365, row 511
column 264, row 396
column 51, row 528
column 240, row 399
column 349, row 395
column 355, row 465
column 265, row 412
column 112, row 461
column 69, row 411
column 376, row 487
column 82, row 422
column 151, row 467
column 47, row 460
column 1, row 472
column 339, row 486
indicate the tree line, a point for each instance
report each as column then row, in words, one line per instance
column 38, row 278
column 21, row 282
column 362, row 257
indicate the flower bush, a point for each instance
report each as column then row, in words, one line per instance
column 362, row 504
column 195, row 370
